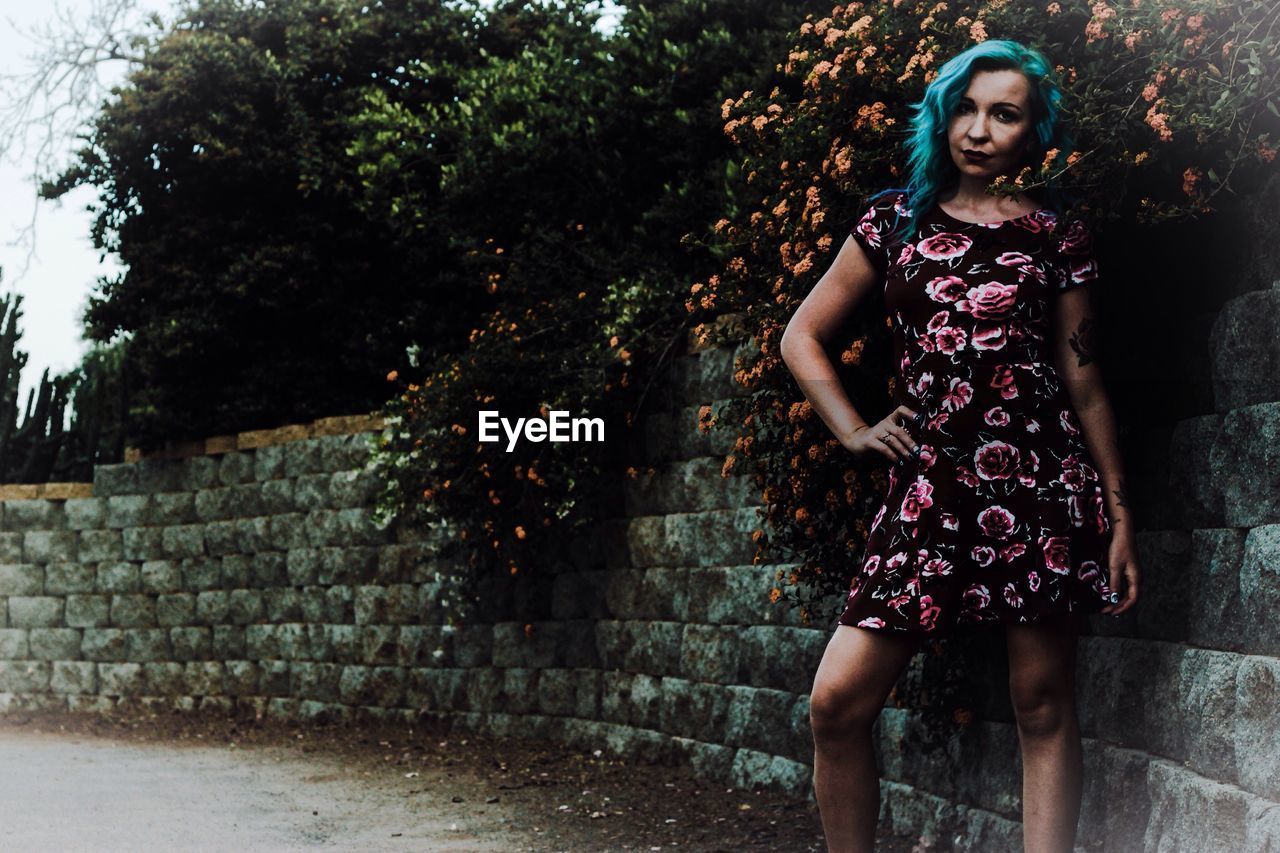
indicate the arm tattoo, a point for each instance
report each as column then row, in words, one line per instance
column 1082, row 341
column 1122, row 499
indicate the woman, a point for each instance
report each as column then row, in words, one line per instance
column 1006, row 499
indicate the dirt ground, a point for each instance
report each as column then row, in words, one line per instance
column 465, row 792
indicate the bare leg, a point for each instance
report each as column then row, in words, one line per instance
column 1042, row 662
column 858, row 669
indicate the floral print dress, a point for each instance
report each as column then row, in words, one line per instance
column 1001, row 517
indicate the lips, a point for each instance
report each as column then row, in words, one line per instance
column 975, row 155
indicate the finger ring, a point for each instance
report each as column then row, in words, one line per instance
column 1114, row 597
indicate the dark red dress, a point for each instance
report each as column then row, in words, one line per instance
column 1001, row 518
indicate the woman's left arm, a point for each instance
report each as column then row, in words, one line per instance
column 1075, row 351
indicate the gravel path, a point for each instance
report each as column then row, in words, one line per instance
column 143, row 780
column 69, row 792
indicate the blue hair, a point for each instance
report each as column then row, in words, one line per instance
column 928, row 153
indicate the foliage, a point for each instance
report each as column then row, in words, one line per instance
column 1173, row 109
column 256, row 291
column 36, row 444
column 587, row 158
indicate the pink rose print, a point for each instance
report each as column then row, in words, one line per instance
column 868, row 228
column 1040, row 220
column 916, row 499
column 991, row 301
column 996, row 522
column 1075, row 476
column 1028, row 468
column 983, row 555
column 972, row 308
column 976, row 597
column 996, row 416
column 1003, row 382
column 1085, row 270
column 1057, row 554
column 949, row 341
column 922, row 385
column 1067, row 420
column 958, row 396
column 944, row 246
column 1091, row 573
column 896, row 561
column 936, row 566
column 928, row 456
column 1014, row 259
column 946, row 288
column 928, row 613
column 1100, row 514
column 989, row 337
column 1076, row 240
column 1090, row 508
column 1009, row 553
column 996, row 460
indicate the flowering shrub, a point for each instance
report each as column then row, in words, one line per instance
column 1172, row 107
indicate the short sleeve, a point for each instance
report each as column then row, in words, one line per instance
column 1078, row 264
column 873, row 228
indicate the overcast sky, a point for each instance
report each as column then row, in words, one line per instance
column 58, row 280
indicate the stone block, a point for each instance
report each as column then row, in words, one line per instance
column 21, row 579
column 88, row 611
column 146, row 644
column 143, row 543
column 47, row 546
column 133, row 611
column 54, row 643
column 120, row 679
column 67, row 578
column 68, row 676
column 35, row 611
column 127, row 510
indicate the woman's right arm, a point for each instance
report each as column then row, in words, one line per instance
column 804, row 350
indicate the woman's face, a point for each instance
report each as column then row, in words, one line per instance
column 993, row 118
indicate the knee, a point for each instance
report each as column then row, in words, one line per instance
column 839, row 713
column 1041, row 707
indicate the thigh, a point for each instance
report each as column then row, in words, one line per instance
column 1042, row 659
column 858, row 669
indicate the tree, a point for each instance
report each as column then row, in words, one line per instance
column 255, row 290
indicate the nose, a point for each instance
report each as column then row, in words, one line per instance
column 978, row 128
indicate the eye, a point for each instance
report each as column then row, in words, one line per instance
column 1008, row 116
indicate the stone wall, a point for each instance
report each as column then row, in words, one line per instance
column 253, row 577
